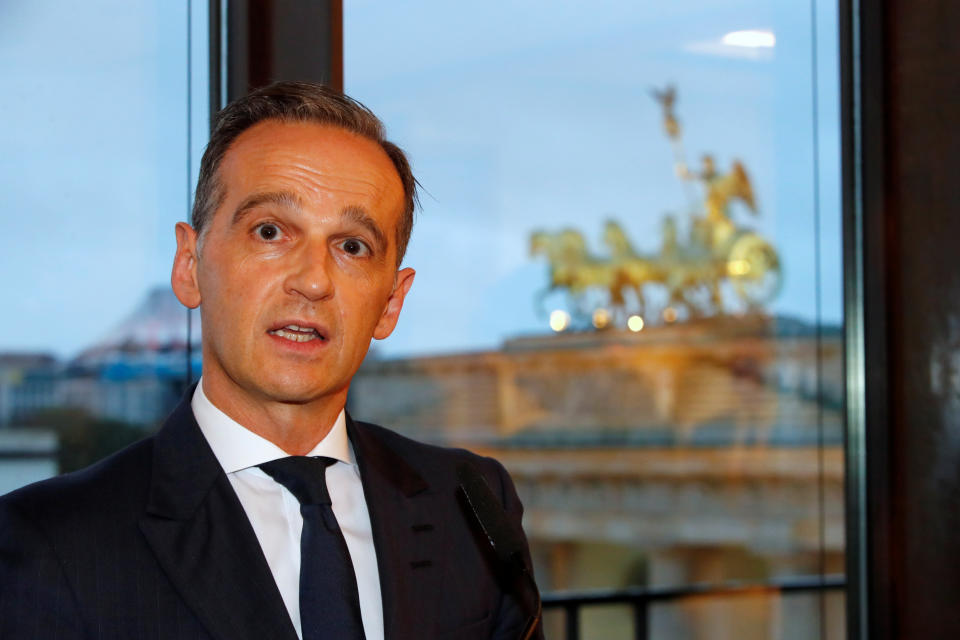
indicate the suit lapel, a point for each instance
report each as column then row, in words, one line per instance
column 203, row 540
column 406, row 534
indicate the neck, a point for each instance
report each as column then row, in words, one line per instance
column 295, row 427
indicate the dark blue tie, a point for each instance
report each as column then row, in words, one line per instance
column 329, row 600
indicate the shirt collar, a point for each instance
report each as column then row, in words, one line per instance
column 236, row 447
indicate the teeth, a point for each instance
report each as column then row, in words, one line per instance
column 293, row 327
column 295, row 337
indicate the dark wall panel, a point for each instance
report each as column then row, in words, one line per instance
column 923, row 137
column 272, row 40
column 902, row 211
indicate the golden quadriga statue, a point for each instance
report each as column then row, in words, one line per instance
column 686, row 277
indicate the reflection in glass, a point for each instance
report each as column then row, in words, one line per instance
column 631, row 221
column 101, row 120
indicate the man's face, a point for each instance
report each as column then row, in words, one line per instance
column 297, row 270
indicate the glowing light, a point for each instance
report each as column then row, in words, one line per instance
column 601, row 318
column 669, row 315
column 753, row 38
column 635, row 323
column 559, row 320
column 738, row 267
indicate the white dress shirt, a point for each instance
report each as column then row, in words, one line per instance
column 275, row 513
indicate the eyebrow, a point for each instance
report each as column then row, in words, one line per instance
column 283, row 199
column 358, row 215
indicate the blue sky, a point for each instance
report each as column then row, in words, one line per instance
column 538, row 115
column 516, row 116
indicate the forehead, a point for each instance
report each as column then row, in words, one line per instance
column 320, row 164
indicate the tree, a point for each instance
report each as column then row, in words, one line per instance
column 83, row 438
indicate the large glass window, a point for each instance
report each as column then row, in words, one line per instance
column 104, row 113
column 628, row 287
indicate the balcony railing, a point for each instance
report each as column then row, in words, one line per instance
column 640, row 599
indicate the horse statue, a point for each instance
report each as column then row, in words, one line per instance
column 679, row 272
column 573, row 268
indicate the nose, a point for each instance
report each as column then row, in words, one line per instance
column 309, row 273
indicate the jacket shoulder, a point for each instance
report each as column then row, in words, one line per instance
column 437, row 464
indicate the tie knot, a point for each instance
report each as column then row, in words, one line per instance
column 303, row 476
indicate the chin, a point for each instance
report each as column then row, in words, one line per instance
column 294, row 390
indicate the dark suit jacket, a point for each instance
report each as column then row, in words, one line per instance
column 152, row 542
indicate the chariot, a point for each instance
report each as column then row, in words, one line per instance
column 696, row 270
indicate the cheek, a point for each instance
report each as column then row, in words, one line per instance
column 229, row 300
column 362, row 312
column 232, row 278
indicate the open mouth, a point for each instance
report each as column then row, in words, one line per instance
column 296, row 333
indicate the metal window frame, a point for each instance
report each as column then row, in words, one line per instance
column 866, row 351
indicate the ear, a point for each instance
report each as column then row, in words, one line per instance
column 183, row 279
column 391, row 312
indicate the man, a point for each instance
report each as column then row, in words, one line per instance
column 260, row 510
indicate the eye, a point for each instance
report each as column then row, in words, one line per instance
column 267, row 231
column 355, row 247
